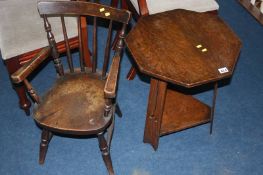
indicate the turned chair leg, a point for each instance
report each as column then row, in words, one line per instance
column 110, row 129
column 105, row 152
column 45, row 139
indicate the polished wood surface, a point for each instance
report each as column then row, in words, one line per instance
column 187, row 49
column 185, row 110
column 143, row 11
column 82, row 99
column 155, row 109
column 174, row 57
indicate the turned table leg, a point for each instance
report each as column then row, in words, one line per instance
column 154, row 112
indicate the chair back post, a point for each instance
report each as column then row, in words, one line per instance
column 120, row 43
column 52, row 44
column 117, row 55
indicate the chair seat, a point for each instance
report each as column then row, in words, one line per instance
column 157, row 6
column 75, row 104
column 17, row 17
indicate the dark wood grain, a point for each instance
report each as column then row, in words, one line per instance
column 143, row 11
column 91, row 9
column 29, row 67
column 173, row 57
column 182, row 111
column 83, row 103
column 155, row 112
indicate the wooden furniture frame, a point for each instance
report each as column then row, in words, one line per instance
column 252, row 9
column 193, row 49
column 82, row 101
column 14, row 63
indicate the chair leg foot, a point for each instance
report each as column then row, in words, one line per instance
column 104, row 148
column 27, row 111
column 45, row 139
column 131, row 74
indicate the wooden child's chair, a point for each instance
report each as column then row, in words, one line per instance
column 82, row 101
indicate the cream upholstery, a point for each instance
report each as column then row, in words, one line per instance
column 157, row 6
column 22, row 29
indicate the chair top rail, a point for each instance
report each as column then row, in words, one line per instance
column 73, row 8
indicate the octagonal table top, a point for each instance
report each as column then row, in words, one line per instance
column 184, row 47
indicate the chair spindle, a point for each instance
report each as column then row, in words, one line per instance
column 94, row 45
column 69, row 57
column 120, row 43
column 52, row 44
column 81, row 56
column 107, row 51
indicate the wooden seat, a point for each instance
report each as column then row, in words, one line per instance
column 82, row 108
column 82, row 100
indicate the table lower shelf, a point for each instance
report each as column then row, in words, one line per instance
column 182, row 111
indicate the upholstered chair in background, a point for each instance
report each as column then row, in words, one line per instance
column 149, row 7
column 22, row 36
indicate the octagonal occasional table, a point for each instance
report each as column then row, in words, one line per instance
column 187, row 49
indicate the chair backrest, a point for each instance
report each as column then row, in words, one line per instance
column 79, row 9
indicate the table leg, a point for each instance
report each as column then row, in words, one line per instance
column 154, row 112
column 213, row 107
